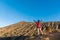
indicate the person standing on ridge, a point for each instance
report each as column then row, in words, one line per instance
column 38, row 25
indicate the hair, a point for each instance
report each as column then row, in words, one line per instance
column 38, row 20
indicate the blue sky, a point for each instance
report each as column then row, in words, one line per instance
column 13, row 11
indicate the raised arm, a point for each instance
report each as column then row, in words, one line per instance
column 34, row 21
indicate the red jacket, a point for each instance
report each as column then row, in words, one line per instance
column 38, row 24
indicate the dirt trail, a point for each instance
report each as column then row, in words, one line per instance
column 53, row 36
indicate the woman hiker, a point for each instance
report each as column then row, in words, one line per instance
column 38, row 25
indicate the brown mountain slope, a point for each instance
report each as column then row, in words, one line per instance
column 21, row 28
column 28, row 29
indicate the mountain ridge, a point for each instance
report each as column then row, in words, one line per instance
column 27, row 29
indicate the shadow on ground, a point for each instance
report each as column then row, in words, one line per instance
column 15, row 38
